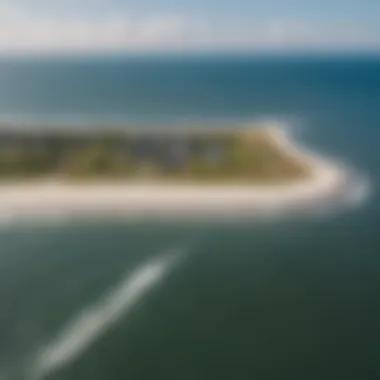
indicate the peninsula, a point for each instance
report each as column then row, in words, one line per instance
column 159, row 171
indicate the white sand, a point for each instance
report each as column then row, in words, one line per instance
column 328, row 182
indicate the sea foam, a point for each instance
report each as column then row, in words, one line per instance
column 94, row 320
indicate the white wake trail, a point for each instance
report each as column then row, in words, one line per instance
column 95, row 320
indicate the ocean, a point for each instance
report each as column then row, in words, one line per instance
column 286, row 297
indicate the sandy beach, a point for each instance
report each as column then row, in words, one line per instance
column 329, row 181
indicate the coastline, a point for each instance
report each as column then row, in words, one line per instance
column 53, row 197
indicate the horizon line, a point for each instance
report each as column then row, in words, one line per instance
column 194, row 53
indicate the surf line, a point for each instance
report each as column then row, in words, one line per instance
column 94, row 320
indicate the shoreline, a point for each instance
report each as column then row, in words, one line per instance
column 49, row 197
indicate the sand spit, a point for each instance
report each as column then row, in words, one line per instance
column 329, row 182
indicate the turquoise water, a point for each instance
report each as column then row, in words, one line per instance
column 280, row 298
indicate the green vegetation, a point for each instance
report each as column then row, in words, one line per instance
column 196, row 156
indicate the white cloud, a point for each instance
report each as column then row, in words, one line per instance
column 25, row 30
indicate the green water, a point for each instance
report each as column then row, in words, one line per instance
column 286, row 299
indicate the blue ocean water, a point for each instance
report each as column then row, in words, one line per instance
column 287, row 298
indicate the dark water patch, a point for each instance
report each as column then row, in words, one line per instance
column 272, row 301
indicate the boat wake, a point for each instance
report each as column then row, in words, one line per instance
column 93, row 321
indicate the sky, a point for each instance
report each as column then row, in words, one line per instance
column 101, row 26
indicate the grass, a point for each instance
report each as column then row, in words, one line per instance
column 249, row 156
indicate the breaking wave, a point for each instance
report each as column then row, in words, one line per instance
column 94, row 320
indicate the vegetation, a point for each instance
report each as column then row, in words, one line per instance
column 215, row 156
